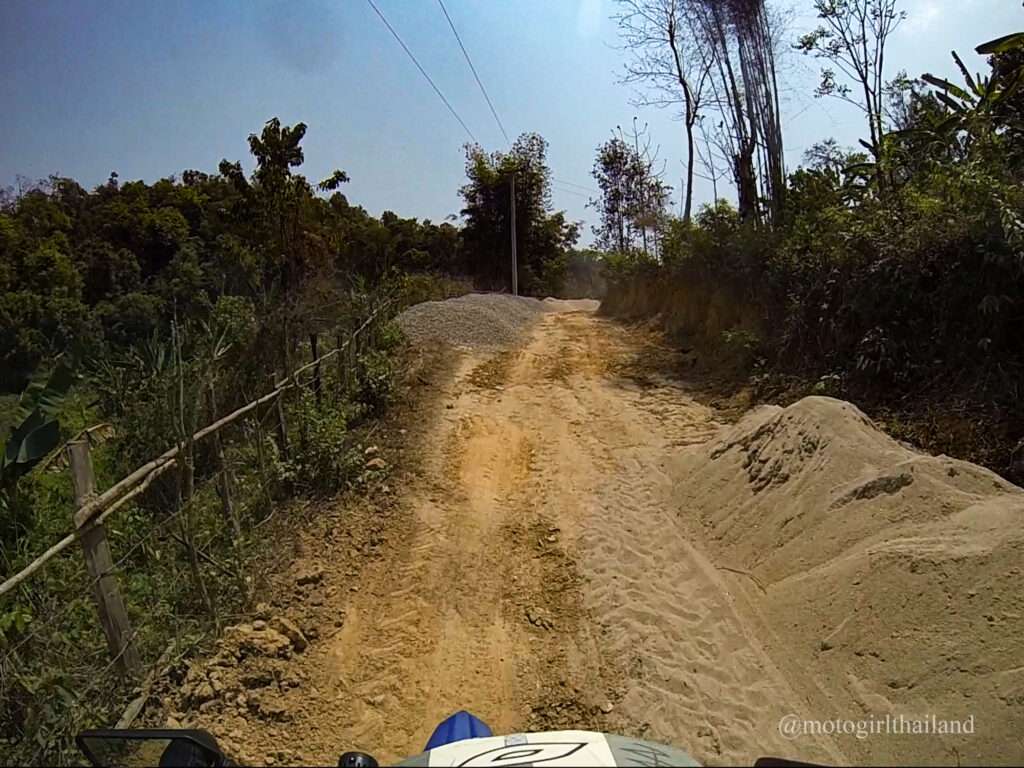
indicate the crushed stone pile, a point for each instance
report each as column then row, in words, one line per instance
column 887, row 576
column 473, row 320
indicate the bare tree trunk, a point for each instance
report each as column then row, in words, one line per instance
column 185, row 427
column 692, row 106
column 688, row 207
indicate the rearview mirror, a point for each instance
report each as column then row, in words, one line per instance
column 148, row 747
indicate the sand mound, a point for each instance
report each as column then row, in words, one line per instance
column 891, row 579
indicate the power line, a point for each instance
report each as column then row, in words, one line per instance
column 422, row 71
column 574, row 184
column 473, row 70
column 567, row 187
column 569, row 191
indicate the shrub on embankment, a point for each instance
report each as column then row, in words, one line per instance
column 913, row 303
column 895, row 276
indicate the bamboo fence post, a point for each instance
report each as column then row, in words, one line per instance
column 261, row 459
column 100, row 565
column 225, row 479
column 316, row 369
column 341, row 360
column 186, row 489
column 282, row 425
column 350, row 371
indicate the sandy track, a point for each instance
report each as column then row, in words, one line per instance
column 534, row 573
column 603, row 430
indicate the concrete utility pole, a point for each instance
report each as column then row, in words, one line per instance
column 643, row 197
column 515, row 263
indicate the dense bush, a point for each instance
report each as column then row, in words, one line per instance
column 174, row 303
column 899, row 275
column 83, row 272
column 55, row 676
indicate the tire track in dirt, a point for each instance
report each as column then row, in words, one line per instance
column 697, row 677
column 532, row 572
column 483, row 608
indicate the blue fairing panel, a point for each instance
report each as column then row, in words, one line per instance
column 459, row 726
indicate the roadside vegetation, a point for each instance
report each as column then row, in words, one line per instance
column 134, row 314
column 891, row 273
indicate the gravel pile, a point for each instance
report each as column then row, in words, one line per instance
column 473, row 320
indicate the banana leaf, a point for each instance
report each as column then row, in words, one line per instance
column 1002, row 44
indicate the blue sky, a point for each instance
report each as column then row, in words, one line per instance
column 151, row 87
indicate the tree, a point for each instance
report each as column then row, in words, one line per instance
column 283, row 203
column 613, row 171
column 633, row 197
column 852, row 38
column 741, row 41
column 542, row 236
column 658, row 35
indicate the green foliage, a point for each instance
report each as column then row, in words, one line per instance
column 975, row 107
column 1004, row 44
column 38, row 434
column 422, row 287
column 325, row 461
column 14, row 621
column 82, row 271
column 375, row 382
column 742, row 347
column 887, row 273
column 542, row 236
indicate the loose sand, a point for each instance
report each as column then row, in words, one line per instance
column 885, row 581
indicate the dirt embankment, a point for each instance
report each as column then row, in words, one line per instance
column 560, row 536
column 886, row 581
column 699, row 310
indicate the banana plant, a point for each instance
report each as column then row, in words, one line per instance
column 1002, row 44
column 38, row 432
column 971, row 106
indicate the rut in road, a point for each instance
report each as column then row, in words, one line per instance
column 538, row 575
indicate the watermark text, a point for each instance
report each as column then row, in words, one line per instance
column 795, row 727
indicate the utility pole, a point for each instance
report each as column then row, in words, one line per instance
column 643, row 181
column 515, row 263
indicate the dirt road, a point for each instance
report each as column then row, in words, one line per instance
column 533, row 572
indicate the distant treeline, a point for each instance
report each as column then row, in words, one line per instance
column 83, row 270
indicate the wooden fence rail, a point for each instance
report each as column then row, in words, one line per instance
column 93, row 509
